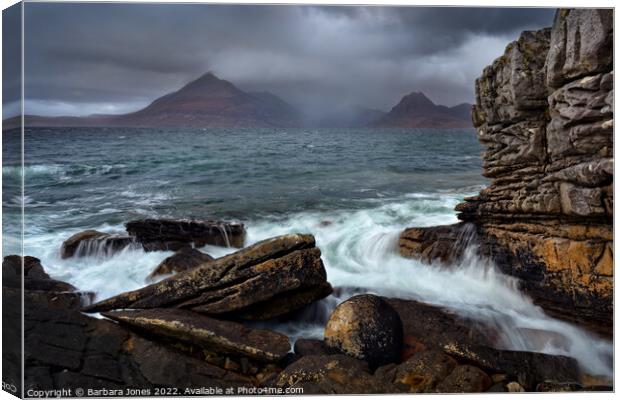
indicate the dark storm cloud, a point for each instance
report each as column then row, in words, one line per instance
column 90, row 58
column 11, row 60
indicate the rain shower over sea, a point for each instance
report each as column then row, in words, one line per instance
column 355, row 190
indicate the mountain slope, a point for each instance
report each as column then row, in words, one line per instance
column 212, row 102
column 415, row 110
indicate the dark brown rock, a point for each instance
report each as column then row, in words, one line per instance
column 182, row 260
column 435, row 327
column 93, row 242
column 424, row 371
column 465, row 379
column 366, row 327
column 168, row 234
column 35, row 277
column 218, row 336
column 230, row 285
column 444, row 243
column 64, row 349
column 333, row 374
column 527, row 368
column 311, row 347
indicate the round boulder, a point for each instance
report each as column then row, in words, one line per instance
column 368, row 328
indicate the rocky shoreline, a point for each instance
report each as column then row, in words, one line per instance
column 544, row 112
column 193, row 330
column 407, row 347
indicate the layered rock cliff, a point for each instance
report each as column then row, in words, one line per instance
column 544, row 112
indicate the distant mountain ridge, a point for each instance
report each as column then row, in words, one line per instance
column 415, row 110
column 207, row 102
column 211, row 102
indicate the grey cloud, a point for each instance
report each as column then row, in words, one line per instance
column 118, row 56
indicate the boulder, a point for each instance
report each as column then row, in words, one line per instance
column 332, row 374
column 527, row 368
column 367, row 328
column 92, row 243
column 170, row 234
column 271, row 270
column 183, row 260
column 222, row 337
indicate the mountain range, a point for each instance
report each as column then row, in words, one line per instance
column 211, row 102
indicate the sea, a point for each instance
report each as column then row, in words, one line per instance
column 355, row 190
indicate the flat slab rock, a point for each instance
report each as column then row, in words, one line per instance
column 529, row 368
column 217, row 336
column 170, row 234
column 277, row 275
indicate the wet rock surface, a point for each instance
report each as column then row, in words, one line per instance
column 183, row 260
column 168, row 234
column 465, row 379
column 331, row 374
column 444, row 243
column 91, row 243
column 248, row 279
column 544, row 112
column 177, row 348
column 367, row 328
column 526, row 368
column 219, row 336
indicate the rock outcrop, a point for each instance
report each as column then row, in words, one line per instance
column 169, row 234
column 93, row 243
column 268, row 279
column 544, row 112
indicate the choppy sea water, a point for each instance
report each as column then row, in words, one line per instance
column 355, row 190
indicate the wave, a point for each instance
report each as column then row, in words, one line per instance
column 61, row 171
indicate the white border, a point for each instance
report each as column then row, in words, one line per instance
column 471, row 3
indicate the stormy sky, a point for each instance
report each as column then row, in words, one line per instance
column 113, row 58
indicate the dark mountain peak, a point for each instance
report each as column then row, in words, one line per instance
column 415, row 110
column 213, row 102
column 209, row 84
column 417, row 100
column 208, row 77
